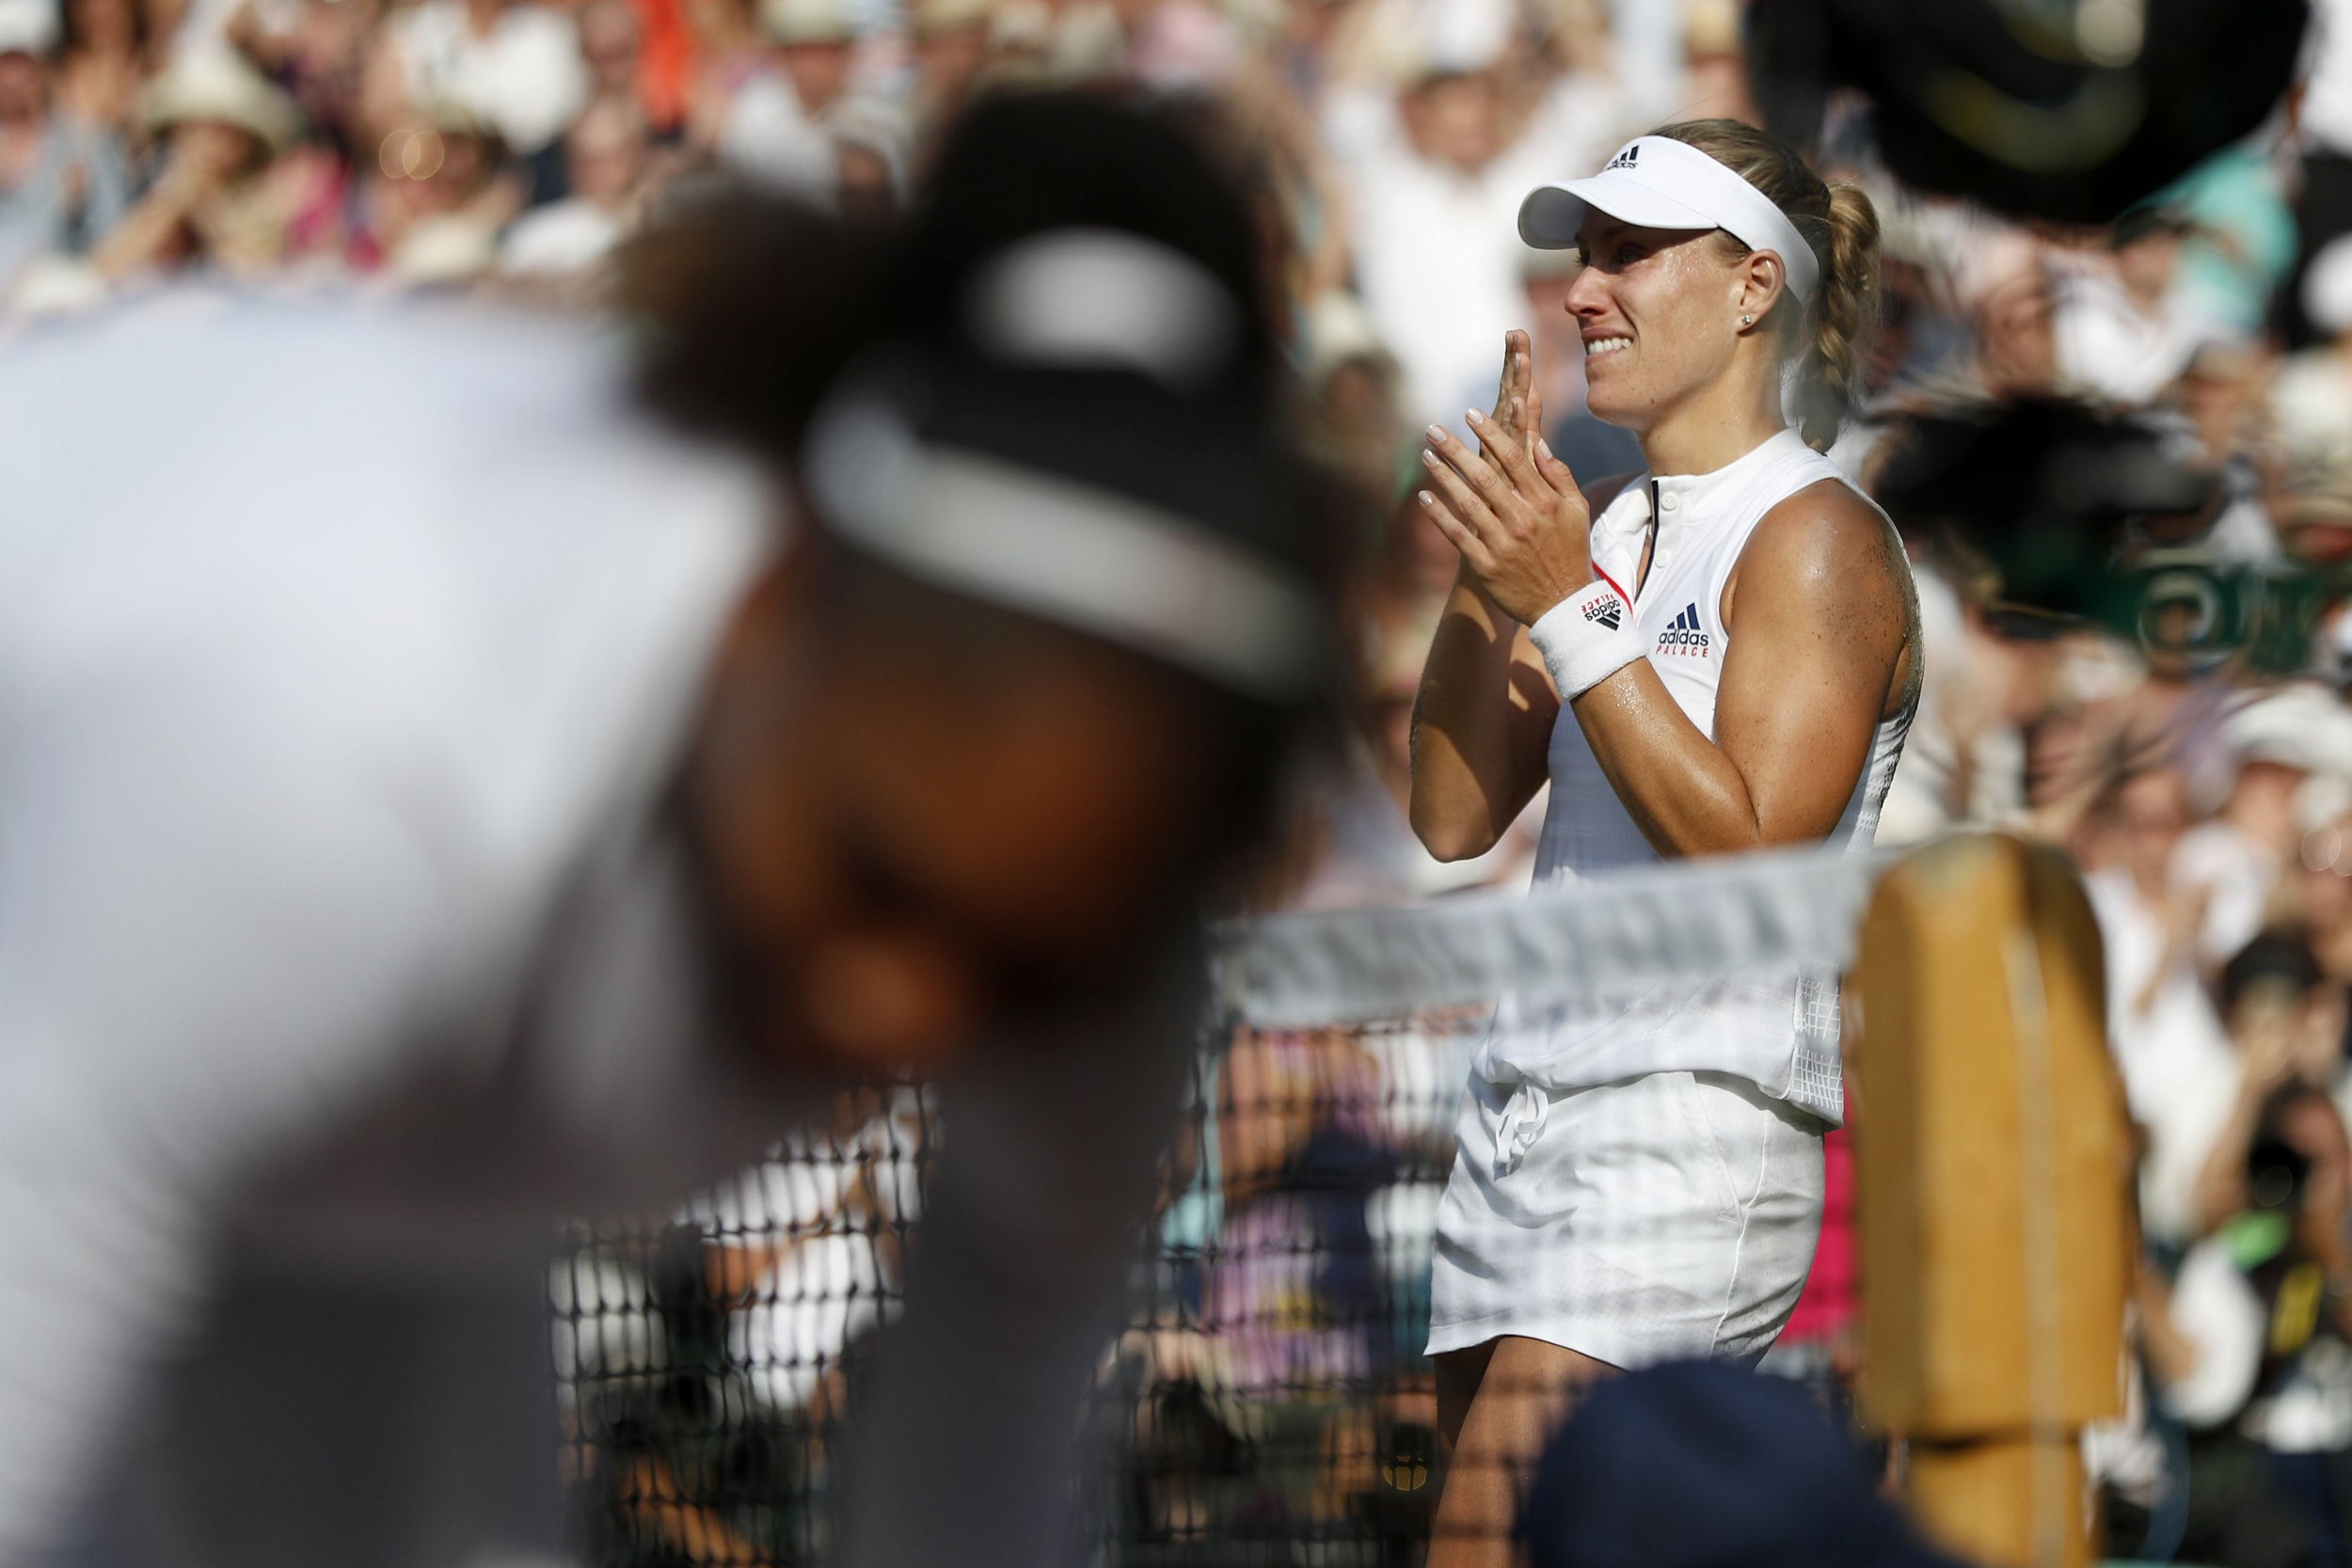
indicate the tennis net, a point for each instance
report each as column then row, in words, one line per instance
column 1268, row 1400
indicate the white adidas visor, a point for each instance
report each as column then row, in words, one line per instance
column 1657, row 182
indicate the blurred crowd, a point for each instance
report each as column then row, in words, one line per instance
column 2194, row 755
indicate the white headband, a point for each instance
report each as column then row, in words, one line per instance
column 1657, row 182
column 1108, row 564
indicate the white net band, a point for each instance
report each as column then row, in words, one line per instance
column 1774, row 912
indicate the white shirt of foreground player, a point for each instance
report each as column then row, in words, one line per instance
column 345, row 944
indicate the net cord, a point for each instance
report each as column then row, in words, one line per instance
column 1765, row 913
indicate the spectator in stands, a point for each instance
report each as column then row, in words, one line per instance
column 108, row 55
column 2241, row 243
column 728, row 54
column 2121, row 333
column 515, row 65
column 870, row 140
column 2172, row 1047
column 2286, row 1023
column 319, row 51
column 2310, row 400
column 2233, row 864
column 951, row 47
column 771, row 124
column 2015, row 334
column 606, row 154
column 444, row 195
column 613, row 43
column 62, row 185
column 1434, row 166
column 214, row 205
column 1352, row 385
column 2321, row 128
column 814, row 47
column 2248, row 1349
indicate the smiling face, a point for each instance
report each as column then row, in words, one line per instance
column 1658, row 310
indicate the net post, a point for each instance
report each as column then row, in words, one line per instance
column 1993, row 1161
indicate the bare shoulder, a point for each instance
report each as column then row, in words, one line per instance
column 1827, row 539
column 1828, row 561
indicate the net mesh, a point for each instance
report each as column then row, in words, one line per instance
column 1268, row 1399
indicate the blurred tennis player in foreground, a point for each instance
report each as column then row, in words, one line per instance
column 1717, row 655
column 432, row 804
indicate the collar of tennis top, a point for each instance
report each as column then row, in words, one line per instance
column 1657, row 182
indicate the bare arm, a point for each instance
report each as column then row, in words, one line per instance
column 1823, row 629
column 1481, row 726
column 1821, row 619
column 1484, row 716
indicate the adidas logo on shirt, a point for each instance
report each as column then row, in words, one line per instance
column 1606, row 610
column 1684, row 635
column 1626, row 158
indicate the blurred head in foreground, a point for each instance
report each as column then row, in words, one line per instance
column 1699, row 1465
column 1018, row 691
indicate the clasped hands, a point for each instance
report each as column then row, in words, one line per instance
column 1513, row 509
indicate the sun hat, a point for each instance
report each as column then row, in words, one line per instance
column 211, row 85
column 791, row 21
column 1658, row 182
column 28, row 27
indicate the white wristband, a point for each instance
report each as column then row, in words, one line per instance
column 1586, row 638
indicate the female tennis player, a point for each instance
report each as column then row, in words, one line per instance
column 1720, row 654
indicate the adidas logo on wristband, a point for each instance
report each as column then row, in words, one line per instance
column 1586, row 638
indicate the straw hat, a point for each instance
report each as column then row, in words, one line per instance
column 791, row 21
column 930, row 17
column 216, row 87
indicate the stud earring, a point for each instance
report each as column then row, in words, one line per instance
column 1747, row 321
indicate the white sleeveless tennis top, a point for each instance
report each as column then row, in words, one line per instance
column 1779, row 1032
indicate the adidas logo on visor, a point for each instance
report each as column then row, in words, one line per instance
column 1626, row 158
column 1684, row 635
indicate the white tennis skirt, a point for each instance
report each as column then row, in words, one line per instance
column 1658, row 1218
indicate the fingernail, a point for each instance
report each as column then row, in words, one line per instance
column 1543, row 449
column 1437, row 432
column 1476, row 418
column 1429, row 458
column 1428, row 500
